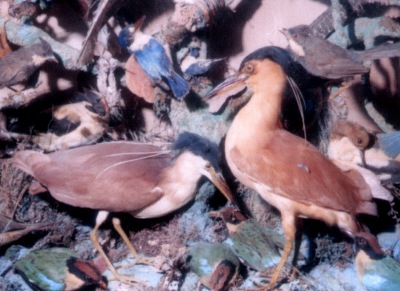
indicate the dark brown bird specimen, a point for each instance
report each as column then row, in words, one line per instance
column 18, row 66
column 352, row 143
column 327, row 60
column 287, row 171
column 137, row 178
column 347, row 148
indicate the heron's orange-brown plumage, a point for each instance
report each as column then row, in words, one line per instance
column 285, row 170
column 295, row 169
column 103, row 176
column 259, row 151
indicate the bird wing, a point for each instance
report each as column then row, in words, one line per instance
column 154, row 60
column 336, row 63
column 118, row 176
column 342, row 68
column 254, row 246
column 293, row 168
column 16, row 68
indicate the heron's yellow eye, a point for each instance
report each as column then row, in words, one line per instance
column 249, row 68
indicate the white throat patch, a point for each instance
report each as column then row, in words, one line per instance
column 296, row 48
column 38, row 60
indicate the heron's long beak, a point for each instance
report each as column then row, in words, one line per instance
column 285, row 32
column 220, row 94
column 52, row 59
column 219, row 181
column 234, row 83
column 214, row 214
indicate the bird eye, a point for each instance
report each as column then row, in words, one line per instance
column 208, row 165
column 359, row 140
column 249, row 68
column 295, row 35
column 361, row 241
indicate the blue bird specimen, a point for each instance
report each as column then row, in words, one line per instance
column 214, row 263
column 58, row 269
column 375, row 270
column 153, row 58
column 193, row 64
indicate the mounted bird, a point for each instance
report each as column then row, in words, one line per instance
column 18, row 66
column 153, row 59
column 325, row 59
column 285, row 170
column 141, row 179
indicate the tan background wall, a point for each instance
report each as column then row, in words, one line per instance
column 262, row 27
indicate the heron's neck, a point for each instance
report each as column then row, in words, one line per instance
column 181, row 180
column 262, row 112
column 178, row 185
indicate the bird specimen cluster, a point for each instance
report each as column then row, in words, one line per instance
column 133, row 120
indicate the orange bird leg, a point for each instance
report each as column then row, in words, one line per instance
column 138, row 259
column 101, row 217
column 286, row 171
column 289, row 227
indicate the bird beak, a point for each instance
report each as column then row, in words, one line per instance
column 218, row 180
column 285, row 32
column 52, row 59
column 214, row 214
column 138, row 24
column 231, row 86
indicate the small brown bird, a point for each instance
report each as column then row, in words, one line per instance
column 351, row 143
column 18, row 66
column 328, row 60
column 348, row 142
column 287, row 171
column 141, row 179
